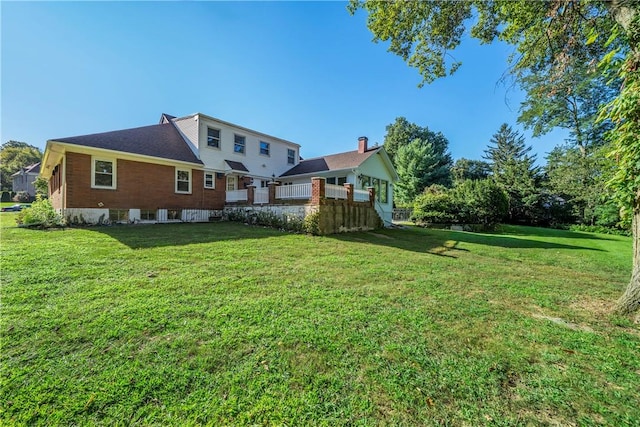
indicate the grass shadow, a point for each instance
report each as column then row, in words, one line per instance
column 445, row 242
column 179, row 234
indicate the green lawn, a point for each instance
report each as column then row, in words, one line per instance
column 226, row 324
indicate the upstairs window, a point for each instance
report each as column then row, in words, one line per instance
column 183, row 181
column 213, row 137
column 239, row 143
column 291, row 156
column 265, row 148
column 103, row 173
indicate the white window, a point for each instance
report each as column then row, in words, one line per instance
column 103, row 173
column 291, row 156
column 183, row 181
column 213, row 137
column 239, row 143
column 209, row 180
column 265, row 148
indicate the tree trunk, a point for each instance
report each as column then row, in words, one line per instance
column 625, row 13
column 630, row 300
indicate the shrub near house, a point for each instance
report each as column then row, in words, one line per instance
column 470, row 202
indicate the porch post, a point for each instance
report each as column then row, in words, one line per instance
column 372, row 196
column 272, row 192
column 317, row 189
column 349, row 193
column 251, row 191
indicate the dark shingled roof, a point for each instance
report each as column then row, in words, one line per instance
column 348, row 160
column 34, row 168
column 162, row 140
column 236, row 166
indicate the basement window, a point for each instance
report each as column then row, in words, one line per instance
column 147, row 215
column 119, row 215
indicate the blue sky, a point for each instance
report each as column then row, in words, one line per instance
column 303, row 71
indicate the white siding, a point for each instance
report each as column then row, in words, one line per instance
column 189, row 129
column 259, row 165
column 375, row 167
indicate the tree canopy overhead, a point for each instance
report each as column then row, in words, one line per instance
column 550, row 38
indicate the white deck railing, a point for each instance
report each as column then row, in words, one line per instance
column 360, row 195
column 332, row 191
column 237, row 196
column 295, row 191
column 261, row 196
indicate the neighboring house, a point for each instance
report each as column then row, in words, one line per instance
column 192, row 168
column 23, row 179
column 364, row 167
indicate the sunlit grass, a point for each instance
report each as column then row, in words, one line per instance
column 230, row 324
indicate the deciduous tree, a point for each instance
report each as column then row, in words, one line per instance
column 474, row 170
column 13, row 156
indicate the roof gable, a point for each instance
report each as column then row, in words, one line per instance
column 34, row 168
column 161, row 140
column 340, row 161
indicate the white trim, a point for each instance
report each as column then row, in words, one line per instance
column 197, row 116
column 114, row 172
column 122, row 155
column 188, row 171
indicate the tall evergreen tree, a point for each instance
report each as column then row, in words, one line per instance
column 515, row 172
column 419, row 164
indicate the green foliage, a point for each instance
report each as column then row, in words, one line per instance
column 42, row 186
column 267, row 219
column 420, row 157
column 402, row 132
column 602, row 229
column 481, row 202
column 514, row 170
column 436, row 205
column 624, row 112
column 311, row 223
column 41, row 215
column 464, row 169
column 469, row 202
column 13, row 156
column 579, row 178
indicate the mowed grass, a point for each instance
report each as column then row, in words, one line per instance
column 226, row 324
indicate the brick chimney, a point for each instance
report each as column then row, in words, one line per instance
column 362, row 144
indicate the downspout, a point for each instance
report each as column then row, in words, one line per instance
column 64, row 185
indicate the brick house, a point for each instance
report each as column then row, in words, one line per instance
column 190, row 168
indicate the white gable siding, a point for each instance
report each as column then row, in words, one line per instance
column 188, row 127
column 375, row 167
